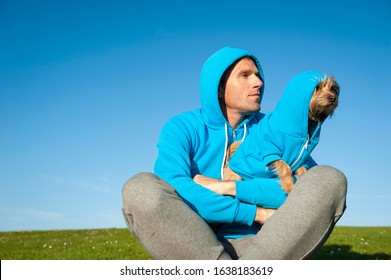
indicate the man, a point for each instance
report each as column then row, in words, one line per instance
column 185, row 211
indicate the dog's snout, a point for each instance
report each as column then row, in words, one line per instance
column 332, row 98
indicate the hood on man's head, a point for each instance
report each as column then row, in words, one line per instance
column 211, row 73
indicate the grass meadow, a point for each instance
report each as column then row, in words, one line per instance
column 345, row 243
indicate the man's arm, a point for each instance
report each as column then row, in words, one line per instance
column 223, row 187
column 265, row 192
column 173, row 165
column 226, row 187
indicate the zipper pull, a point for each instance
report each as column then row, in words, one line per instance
column 307, row 142
column 234, row 134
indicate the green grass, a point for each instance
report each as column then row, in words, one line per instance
column 357, row 243
column 97, row 244
column 351, row 243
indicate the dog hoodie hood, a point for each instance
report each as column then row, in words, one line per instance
column 283, row 133
column 291, row 114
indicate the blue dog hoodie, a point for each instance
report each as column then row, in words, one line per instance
column 282, row 134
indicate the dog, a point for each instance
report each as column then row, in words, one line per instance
column 324, row 101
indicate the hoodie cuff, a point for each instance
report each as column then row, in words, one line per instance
column 245, row 213
column 270, row 158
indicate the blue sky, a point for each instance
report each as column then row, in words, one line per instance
column 85, row 87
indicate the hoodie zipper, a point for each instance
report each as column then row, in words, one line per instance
column 226, row 144
column 305, row 146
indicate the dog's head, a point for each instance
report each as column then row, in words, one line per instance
column 324, row 100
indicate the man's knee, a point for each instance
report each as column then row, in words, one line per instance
column 333, row 186
column 146, row 191
column 137, row 189
column 333, row 178
column 135, row 184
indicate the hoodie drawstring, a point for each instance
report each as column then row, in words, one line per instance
column 244, row 133
column 225, row 150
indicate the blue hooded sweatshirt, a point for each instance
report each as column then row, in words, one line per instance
column 282, row 134
column 196, row 142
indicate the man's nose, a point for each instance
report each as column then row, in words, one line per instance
column 257, row 82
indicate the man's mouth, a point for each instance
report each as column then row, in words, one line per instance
column 254, row 94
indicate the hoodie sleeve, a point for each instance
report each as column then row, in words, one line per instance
column 173, row 165
column 309, row 163
column 265, row 192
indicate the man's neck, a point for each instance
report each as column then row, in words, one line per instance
column 234, row 118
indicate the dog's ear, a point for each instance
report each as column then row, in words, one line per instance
column 322, row 83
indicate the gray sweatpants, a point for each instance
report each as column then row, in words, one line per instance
column 169, row 229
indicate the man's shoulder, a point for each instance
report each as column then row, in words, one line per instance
column 191, row 117
column 186, row 121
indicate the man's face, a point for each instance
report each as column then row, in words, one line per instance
column 242, row 89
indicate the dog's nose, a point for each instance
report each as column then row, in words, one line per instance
column 332, row 98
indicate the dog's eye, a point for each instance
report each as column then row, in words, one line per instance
column 335, row 90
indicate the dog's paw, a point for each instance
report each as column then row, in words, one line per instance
column 301, row 171
column 287, row 183
column 284, row 172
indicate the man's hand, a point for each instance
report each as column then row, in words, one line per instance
column 222, row 187
column 263, row 214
